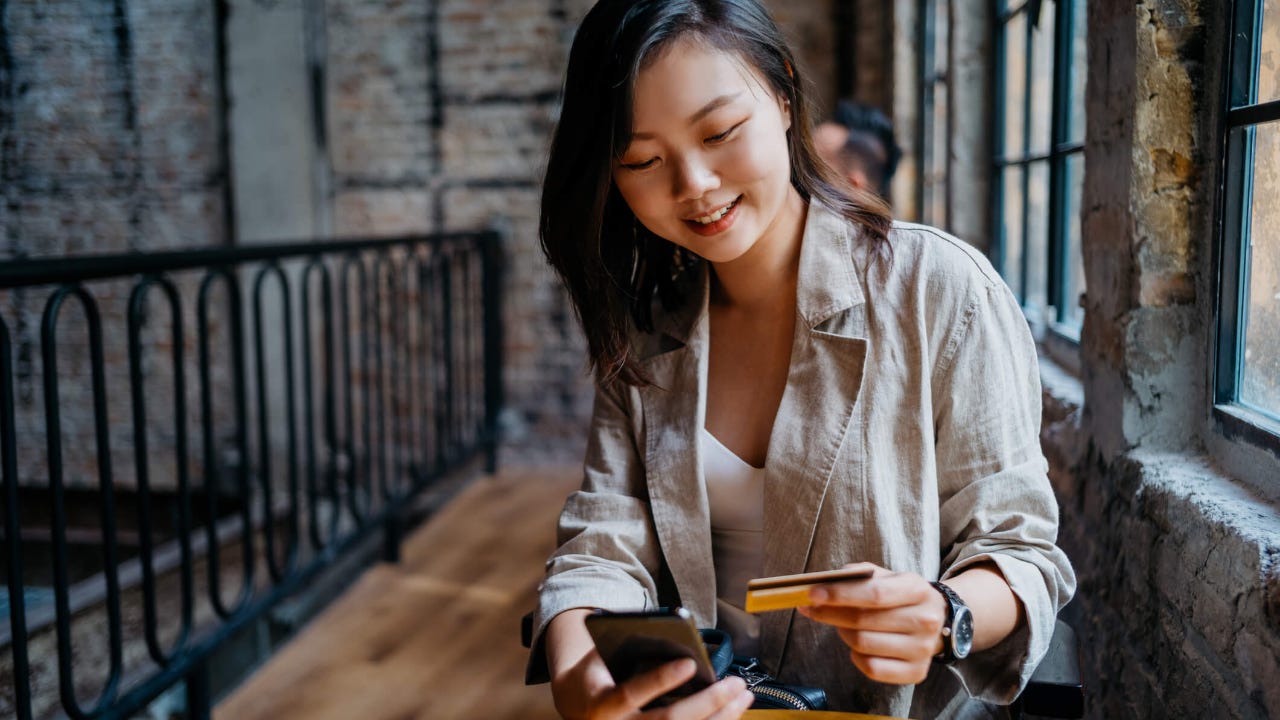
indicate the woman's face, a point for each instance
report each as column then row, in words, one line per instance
column 707, row 167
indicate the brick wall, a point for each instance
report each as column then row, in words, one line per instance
column 110, row 127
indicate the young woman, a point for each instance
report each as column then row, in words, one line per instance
column 787, row 381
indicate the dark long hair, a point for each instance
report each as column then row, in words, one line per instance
column 611, row 265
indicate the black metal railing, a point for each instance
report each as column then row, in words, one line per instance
column 331, row 383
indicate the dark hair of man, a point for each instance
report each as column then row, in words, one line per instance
column 863, row 120
column 863, row 151
column 613, row 267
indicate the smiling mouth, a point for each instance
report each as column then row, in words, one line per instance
column 718, row 214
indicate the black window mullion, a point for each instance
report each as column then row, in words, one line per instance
column 1247, row 46
column 997, row 250
column 1254, row 114
column 1236, row 267
column 1237, row 199
column 925, row 58
column 1058, row 186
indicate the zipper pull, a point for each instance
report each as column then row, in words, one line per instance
column 747, row 672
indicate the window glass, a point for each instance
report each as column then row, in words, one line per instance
column 1079, row 71
column 941, row 36
column 937, row 212
column 1037, row 240
column 1011, row 227
column 1073, row 314
column 1042, row 38
column 1268, row 70
column 1015, row 79
column 935, row 145
column 1260, row 371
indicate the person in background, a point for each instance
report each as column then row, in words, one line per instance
column 858, row 143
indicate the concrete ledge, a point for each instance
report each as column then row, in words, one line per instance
column 1178, row 603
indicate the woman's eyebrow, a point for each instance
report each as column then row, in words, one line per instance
column 707, row 109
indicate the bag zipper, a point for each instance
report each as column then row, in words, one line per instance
column 755, row 684
column 782, row 695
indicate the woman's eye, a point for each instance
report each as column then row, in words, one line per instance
column 640, row 165
column 724, row 135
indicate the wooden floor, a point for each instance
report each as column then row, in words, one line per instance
column 436, row 636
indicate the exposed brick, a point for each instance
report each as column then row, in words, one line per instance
column 497, row 141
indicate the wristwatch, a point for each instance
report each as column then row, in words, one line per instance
column 957, row 630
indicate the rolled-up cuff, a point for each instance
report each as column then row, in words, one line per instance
column 581, row 588
column 998, row 674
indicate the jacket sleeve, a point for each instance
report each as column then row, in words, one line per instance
column 607, row 554
column 996, row 503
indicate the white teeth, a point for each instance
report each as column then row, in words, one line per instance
column 708, row 219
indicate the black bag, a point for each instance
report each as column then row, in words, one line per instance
column 770, row 694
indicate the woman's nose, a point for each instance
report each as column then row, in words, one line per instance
column 694, row 178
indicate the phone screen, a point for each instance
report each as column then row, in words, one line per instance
column 634, row 643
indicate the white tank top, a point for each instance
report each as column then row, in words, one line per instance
column 735, row 494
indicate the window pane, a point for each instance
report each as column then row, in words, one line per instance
column 937, row 212
column 1269, row 59
column 1037, row 242
column 1042, row 80
column 1260, row 376
column 1015, row 79
column 1073, row 314
column 941, row 37
column 1011, row 227
column 1079, row 70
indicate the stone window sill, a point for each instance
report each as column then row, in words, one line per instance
column 1213, row 529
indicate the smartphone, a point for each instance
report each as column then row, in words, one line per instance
column 635, row 642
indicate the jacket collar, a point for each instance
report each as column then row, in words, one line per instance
column 828, row 284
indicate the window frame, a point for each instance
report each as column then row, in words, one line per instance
column 930, row 78
column 1234, row 419
column 1061, row 148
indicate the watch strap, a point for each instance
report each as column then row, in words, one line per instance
column 948, row 654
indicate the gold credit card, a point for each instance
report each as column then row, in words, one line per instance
column 791, row 591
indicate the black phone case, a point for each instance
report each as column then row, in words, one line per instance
column 633, row 643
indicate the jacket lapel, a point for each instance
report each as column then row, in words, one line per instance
column 816, row 410
column 674, row 410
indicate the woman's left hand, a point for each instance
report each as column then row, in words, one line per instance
column 892, row 622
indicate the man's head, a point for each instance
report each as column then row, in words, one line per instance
column 858, row 143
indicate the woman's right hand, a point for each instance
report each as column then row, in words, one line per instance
column 584, row 690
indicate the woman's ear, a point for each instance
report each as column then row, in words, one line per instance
column 784, row 107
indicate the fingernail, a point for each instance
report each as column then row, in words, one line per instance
column 685, row 666
column 818, row 595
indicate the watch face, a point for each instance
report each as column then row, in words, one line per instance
column 962, row 632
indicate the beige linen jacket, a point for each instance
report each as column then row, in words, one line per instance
column 907, row 436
